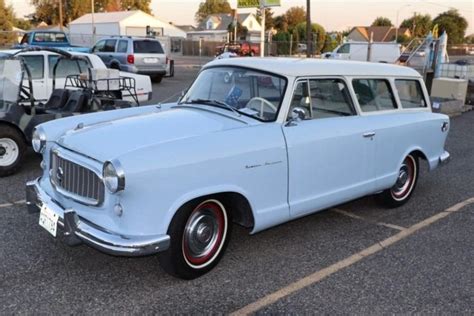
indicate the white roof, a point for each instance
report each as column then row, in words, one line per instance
column 105, row 17
column 298, row 67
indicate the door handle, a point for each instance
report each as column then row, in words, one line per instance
column 369, row 134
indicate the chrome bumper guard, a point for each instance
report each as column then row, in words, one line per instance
column 444, row 158
column 77, row 230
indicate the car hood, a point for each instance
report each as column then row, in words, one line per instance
column 110, row 139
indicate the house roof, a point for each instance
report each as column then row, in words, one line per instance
column 380, row 33
column 224, row 19
column 105, row 17
column 186, row 28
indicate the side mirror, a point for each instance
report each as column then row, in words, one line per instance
column 297, row 114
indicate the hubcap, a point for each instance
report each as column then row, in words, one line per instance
column 204, row 233
column 405, row 179
column 9, row 152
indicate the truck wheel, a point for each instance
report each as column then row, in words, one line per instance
column 402, row 190
column 12, row 150
column 199, row 233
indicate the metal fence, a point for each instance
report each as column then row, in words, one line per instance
column 209, row 48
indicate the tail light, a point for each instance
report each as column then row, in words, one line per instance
column 130, row 59
column 167, row 60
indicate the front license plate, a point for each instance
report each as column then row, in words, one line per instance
column 48, row 220
column 150, row 60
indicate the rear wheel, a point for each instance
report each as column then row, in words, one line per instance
column 12, row 150
column 157, row 79
column 199, row 235
column 402, row 190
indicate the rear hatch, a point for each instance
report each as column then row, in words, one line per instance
column 149, row 54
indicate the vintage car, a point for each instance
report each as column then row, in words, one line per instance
column 283, row 139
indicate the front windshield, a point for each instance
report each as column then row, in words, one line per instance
column 10, row 80
column 250, row 92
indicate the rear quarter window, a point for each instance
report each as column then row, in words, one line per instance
column 374, row 95
column 147, row 47
column 410, row 94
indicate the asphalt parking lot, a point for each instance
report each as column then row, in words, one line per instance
column 356, row 258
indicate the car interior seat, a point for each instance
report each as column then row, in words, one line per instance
column 75, row 103
column 57, row 99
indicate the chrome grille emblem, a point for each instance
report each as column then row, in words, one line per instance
column 59, row 174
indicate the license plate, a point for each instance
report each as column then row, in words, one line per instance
column 48, row 220
column 150, row 60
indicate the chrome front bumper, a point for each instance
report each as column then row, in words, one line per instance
column 444, row 158
column 77, row 230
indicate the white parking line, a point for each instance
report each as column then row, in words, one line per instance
column 352, row 215
column 21, row 202
column 324, row 273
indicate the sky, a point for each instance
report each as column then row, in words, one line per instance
column 333, row 15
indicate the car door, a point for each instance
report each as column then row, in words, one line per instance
column 330, row 150
column 37, row 67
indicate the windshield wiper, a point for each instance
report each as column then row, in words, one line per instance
column 217, row 103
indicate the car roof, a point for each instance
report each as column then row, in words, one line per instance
column 41, row 52
column 299, row 67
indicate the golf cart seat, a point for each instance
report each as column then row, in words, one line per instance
column 57, row 99
column 74, row 104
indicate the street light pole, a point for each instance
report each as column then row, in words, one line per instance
column 93, row 21
column 262, row 33
column 309, row 42
column 61, row 15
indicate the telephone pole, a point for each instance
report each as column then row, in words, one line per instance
column 309, row 42
column 60, row 14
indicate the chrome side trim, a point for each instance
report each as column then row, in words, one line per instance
column 79, row 230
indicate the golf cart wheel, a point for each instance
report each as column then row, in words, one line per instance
column 12, row 150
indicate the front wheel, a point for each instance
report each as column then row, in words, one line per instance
column 403, row 188
column 12, row 150
column 199, row 233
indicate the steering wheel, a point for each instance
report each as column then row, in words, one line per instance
column 258, row 104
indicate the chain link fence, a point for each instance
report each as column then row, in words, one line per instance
column 209, row 48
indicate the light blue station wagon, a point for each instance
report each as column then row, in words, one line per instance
column 257, row 142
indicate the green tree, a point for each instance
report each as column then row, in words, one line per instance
column 454, row 24
column 48, row 10
column 382, row 21
column 318, row 32
column 295, row 16
column 419, row 25
column 282, row 42
column 281, row 23
column 269, row 23
column 330, row 43
column 143, row 5
column 7, row 37
column 22, row 24
column 209, row 7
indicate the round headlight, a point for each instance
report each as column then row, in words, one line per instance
column 38, row 140
column 114, row 178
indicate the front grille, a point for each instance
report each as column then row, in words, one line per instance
column 76, row 181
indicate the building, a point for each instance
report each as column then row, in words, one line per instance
column 380, row 33
column 216, row 27
column 125, row 23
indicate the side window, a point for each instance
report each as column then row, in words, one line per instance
column 99, row 47
column 35, row 64
column 374, row 94
column 301, row 99
column 344, row 49
column 410, row 93
column 66, row 67
column 122, row 47
column 25, row 39
column 110, row 46
column 60, row 38
column 330, row 98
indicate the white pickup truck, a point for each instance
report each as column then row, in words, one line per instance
column 41, row 64
column 379, row 52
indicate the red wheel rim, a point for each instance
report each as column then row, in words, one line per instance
column 405, row 180
column 204, row 233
